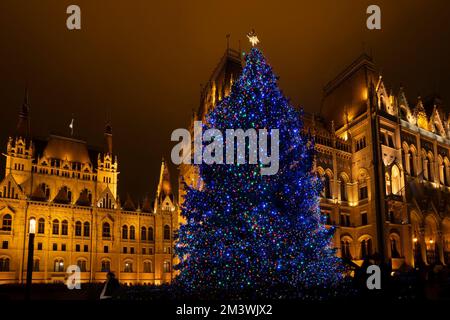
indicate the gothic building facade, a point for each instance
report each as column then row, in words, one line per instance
column 70, row 189
column 383, row 160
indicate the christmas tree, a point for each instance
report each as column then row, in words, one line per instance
column 247, row 231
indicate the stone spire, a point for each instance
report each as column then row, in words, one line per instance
column 164, row 185
column 164, row 191
column 23, row 125
column 108, row 138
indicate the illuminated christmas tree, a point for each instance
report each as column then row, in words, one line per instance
column 247, row 231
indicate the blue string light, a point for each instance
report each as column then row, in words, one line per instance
column 244, row 230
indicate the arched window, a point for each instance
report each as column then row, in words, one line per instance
column 132, row 233
column 7, row 222
column 64, row 228
column 78, row 228
column 319, row 175
column 82, row 265
column 41, row 226
column 36, row 265
column 150, row 234
column 58, row 266
column 387, row 179
column 412, row 168
column 4, row 264
column 166, row 232
column 366, row 248
column 430, row 234
column 395, row 252
column 326, row 186
column 106, row 232
column 345, row 248
column 362, row 185
column 106, row 202
column 124, row 232
column 147, row 267
column 143, row 233
column 106, row 266
column 166, row 266
column 55, row 226
column 128, row 267
column 86, row 229
column 343, row 187
column 395, row 180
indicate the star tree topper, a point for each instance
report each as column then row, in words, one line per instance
column 253, row 38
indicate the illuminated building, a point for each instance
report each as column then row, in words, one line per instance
column 384, row 164
column 70, row 189
column 383, row 160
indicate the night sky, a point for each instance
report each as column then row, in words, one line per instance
column 141, row 63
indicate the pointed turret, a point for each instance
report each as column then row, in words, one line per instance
column 420, row 114
column 164, row 194
column 401, row 99
column 83, row 199
column 164, row 185
column 147, row 205
column 129, row 204
column 108, row 138
column 419, row 107
column 23, row 125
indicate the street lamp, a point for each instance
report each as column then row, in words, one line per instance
column 31, row 233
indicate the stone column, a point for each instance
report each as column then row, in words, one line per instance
column 423, row 245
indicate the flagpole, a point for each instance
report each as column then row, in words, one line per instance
column 71, row 126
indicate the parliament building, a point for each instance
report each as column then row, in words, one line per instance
column 384, row 161
column 70, row 189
